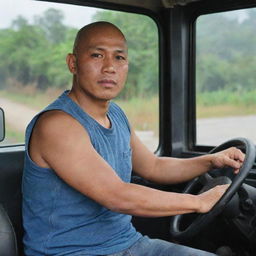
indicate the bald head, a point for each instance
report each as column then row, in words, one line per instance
column 93, row 30
column 99, row 62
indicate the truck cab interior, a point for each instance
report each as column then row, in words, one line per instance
column 199, row 68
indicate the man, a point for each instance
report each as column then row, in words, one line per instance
column 77, row 195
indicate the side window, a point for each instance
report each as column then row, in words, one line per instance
column 35, row 38
column 225, row 76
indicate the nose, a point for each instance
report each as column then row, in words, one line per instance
column 108, row 65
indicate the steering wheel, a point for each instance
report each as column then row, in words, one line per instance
column 206, row 181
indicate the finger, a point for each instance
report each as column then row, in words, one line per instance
column 233, row 163
column 239, row 155
column 236, row 171
column 224, row 188
column 220, row 189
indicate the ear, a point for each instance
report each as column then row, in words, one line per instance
column 71, row 62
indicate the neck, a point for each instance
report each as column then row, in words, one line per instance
column 97, row 109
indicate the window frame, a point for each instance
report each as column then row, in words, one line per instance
column 193, row 148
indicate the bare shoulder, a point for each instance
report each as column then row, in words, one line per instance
column 55, row 124
column 53, row 119
column 55, row 131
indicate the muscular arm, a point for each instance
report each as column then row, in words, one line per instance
column 166, row 170
column 61, row 143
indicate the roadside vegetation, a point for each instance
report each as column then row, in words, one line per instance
column 225, row 103
column 34, row 70
column 12, row 135
column 143, row 112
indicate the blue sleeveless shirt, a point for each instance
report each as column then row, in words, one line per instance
column 59, row 220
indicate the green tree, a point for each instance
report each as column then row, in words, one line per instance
column 18, row 47
column 58, row 73
column 35, row 53
column 211, row 73
column 226, row 52
column 52, row 24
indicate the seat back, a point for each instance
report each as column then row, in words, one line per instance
column 11, row 167
column 8, row 243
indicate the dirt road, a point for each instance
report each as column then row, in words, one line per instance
column 17, row 115
column 214, row 131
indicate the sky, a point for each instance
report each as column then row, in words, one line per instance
column 75, row 16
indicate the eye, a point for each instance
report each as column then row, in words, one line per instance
column 120, row 57
column 96, row 55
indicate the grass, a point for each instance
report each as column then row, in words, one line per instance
column 35, row 100
column 143, row 112
column 225, row 110
column 225, row 97
column 12, row 136
column 225, row 103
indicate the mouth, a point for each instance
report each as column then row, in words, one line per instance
column 107, row 83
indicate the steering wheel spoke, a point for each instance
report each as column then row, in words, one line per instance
column 204, row 179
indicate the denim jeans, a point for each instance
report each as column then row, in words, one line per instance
column 156, row 247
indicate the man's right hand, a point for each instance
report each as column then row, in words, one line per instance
column 210, row 197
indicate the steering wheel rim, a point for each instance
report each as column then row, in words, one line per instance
column 204, row 219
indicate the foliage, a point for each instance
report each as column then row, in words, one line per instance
column 222, row 97
column 34, row 53
column 226, row 52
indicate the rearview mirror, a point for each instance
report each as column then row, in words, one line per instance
column 2, row 125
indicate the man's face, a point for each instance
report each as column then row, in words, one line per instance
column 101, row 63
